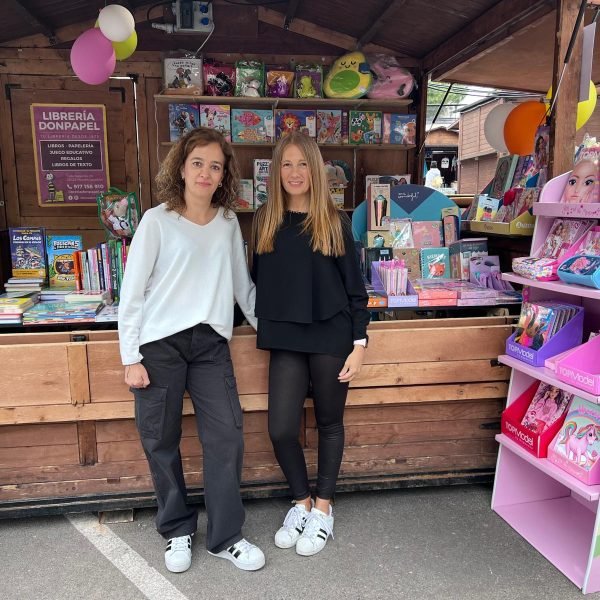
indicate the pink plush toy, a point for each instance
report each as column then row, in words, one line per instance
column 391, row 80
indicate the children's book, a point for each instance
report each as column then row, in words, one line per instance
column 486, row 208
column 216, row 116
column 262, row 170
column 252, row 126
column 435, row 263
column 329, row 126
column 182, row 119
column 562, row 235
column 427, row 234
column 28, row 252
column 288, row 120
column 576, row 447
column 399, row 129
column 525, row 199
column 504, row 175
column 547, row 406
column 183, row 76
column 524, row 164
column 61, row 263
column 365, row 127
column 591, row 243
column 535, row 324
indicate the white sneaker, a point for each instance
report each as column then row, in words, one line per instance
column 317, row 529
column 178, row 555
column 293, row 526
column 243, row 555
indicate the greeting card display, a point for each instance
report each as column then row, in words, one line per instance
column 576, row 446
column 535, row 417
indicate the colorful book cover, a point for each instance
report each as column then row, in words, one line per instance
column 216, row 116
column 252, row 126
column 504, row 175
column 365, row 127
column 288, row 120
column 562, row 235
column 182, row 119
column 262, row 171
column 183, row 76
column 329, row 126
column 28, row 252
column 403, row 129
column 523, row 167
column 427, row 234
column 576, row 447
column 535, row 324
column 487, row 208
column 61, row 262
column 435, row 263
column 547, row 406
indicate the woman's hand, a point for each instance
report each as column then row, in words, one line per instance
column 352, row 365
column 136, row 376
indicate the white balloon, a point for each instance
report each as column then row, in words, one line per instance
column 493, row 128
column 116, row 22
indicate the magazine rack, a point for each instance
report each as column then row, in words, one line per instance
column 555, row 512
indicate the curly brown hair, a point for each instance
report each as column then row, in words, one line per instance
column 171, row 186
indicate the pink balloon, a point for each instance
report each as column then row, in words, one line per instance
column 93, row 57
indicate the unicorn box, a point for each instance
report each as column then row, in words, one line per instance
column 576, row 447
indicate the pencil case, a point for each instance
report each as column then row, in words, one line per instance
column 583, row 269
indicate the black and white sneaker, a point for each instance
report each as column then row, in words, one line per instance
column 318, row 528
column 293, row 526
column 243, row 555
column 178, row 555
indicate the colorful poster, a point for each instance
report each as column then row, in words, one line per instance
column 71, row 156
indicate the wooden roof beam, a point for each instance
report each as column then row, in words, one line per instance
column 290, row 13
column 491, row 28
column 390, row 8
column 328, row 36
column 26, row 14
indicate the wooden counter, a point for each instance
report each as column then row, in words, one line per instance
column 424, row 410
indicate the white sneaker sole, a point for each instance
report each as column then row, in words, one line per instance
column 255, row 566
column 309, row 552
column 178, row 569
column 284, row 546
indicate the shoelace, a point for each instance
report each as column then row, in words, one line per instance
column 295, row 518
column 244, row 546
column 314, row 522
column 180, row 543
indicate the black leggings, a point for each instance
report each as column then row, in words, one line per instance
column 289, row 376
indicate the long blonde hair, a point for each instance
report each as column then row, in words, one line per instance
column 323, row 221
column 170, row 185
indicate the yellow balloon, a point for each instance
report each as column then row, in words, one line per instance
column 585, row 108
column 125, row 49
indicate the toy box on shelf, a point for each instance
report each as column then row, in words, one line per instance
column 576, row 447
column 522, row 225
column 410, row 299
column 581, row 367
column 515, row 426
column 569, row 336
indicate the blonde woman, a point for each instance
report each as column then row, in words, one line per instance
column 184, row 269
column 312, row 317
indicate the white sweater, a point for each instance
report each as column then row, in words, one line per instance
column 179, row 274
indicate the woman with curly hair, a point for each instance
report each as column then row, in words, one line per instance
column 185, row 267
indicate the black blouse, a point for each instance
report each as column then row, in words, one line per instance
column 296, row 285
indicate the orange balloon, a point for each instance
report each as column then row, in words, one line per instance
column 520, row 126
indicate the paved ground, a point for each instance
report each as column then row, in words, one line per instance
column 418, row 544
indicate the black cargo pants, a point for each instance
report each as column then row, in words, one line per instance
column 196, row 359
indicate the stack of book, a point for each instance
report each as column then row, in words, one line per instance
column 60, row 312
column 17, row 286
column 12, row 309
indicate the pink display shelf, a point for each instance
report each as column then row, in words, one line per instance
column 588, row 492
column 582, row 367
column 547, row 375
column 554, row 286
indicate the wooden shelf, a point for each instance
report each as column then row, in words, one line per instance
column 555, row 286
column 397, row 147
column 308, row 103
column 546, row 375
column 588, row 492
column 560, row 209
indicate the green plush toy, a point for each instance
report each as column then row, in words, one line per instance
column 349, row 77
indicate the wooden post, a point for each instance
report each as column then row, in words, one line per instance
column 564, row 115
column 422, row 78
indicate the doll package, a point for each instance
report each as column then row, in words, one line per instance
column 119, row 212
column 249, row 78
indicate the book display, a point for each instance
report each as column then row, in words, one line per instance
column 554, row 395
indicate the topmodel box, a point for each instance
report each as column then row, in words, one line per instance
column 581, row 367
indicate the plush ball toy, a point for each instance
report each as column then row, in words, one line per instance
column 349, row 77
column 391, row 80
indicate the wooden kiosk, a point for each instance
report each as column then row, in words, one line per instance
column 426, row 406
